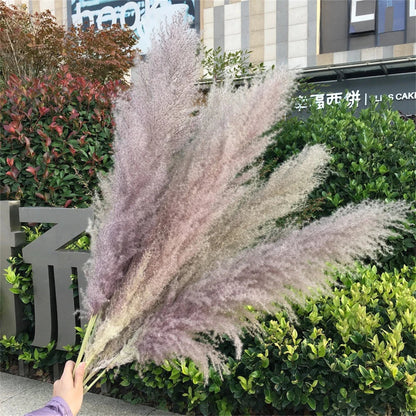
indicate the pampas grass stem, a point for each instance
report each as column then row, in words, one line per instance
column 88, row 387
column 88, row 331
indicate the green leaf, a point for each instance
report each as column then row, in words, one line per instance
column 311, row 402
column 364, row 372
column 291, row 395
column 383, row 169
column 387, row 383
column 326, row 403
column 243, row 382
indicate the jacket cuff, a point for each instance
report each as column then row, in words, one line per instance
column 55, row 407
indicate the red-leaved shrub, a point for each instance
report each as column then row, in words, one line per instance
column 55, row 135
column 34, row 45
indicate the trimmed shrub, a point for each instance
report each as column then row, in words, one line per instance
column 55, row 136
column 347, row 354
column 352, row 353
column 373, row 158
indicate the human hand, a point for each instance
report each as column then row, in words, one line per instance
column 69, row 387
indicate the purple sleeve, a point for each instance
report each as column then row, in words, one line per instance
column 56, row 407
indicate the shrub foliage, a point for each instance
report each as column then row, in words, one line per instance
column 352, row 353
column 349, row 353
column 55, row 135
column 373, row 157
column 36, row 45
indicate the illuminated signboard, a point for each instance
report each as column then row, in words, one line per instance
column 142, row 16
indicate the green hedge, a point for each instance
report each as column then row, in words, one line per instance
column 352, row 353
column 348, row 354
column 373, row 156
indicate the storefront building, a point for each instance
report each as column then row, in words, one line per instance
column 365, row 47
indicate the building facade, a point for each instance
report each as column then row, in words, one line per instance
column 307, row 33
column 299, row 33
column 329, row 40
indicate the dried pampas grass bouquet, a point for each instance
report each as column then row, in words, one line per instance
column 182, row 241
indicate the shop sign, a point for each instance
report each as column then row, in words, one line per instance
column 400, row 89
column 142, row 16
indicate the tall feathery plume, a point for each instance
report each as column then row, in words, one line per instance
column 184, row 236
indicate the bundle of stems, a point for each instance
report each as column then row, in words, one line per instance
column 185, row 236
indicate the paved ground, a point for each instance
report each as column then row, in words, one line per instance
column 19, row 395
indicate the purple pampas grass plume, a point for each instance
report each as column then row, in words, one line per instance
column 267, row 277
column 182, row 241
column 152, row 123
